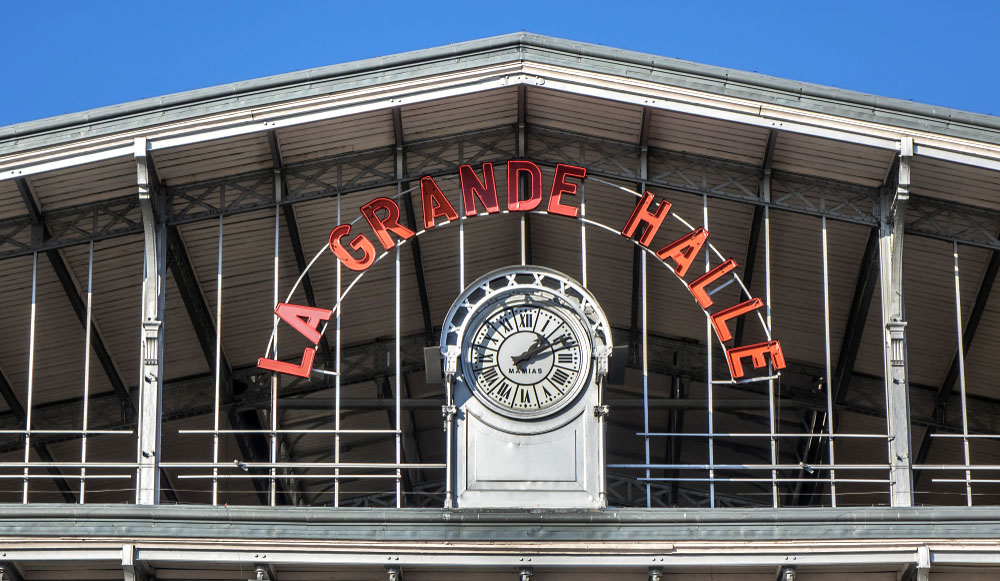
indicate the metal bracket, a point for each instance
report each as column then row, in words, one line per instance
column 263, row 572
column 655, row 574
column 135, row 570
column 896, row 337
column 394, row 574
column 602, row 411
column 525, row 573
column 786, row 573
column 10, row 572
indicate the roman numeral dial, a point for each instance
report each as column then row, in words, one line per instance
column 526, row 358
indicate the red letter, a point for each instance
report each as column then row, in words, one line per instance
column 697, row 287
column 434, row 202
column 757, row 353
column 514, row 201
column 360, row 243
column 560, row 187
column 684, row 250
column 305, row 320
column 719, row 319
column 382, row 226
column 653, row 220
column 485, row 190
column 301, row 370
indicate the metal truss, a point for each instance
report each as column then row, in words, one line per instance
column 953, row 222
column 356, row 171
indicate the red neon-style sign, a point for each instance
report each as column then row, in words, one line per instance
column 383, row 215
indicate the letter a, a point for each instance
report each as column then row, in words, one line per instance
column 306, row 321
column 684, row 250
column 303, row 319
column 434, row 203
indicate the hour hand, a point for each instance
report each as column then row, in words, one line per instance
column 537, row 347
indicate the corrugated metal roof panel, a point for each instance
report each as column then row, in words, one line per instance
column 336, row 136
column 837, row 160
column 955, row 182
column 82, row 185
column 182, row 354
column 460, row 114
column 11, row 204
column 597, row 117
column 710, row 137
column 204, row 161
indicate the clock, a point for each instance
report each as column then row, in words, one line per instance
column 526, row 355
column 526, row 341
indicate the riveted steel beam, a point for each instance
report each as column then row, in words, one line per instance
column 415, row 253
column 756, row 221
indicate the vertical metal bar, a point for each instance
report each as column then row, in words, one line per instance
column 336, row 391
column 218, row 370
column 273, row 484
column 770, row 382
column 399, row 382
column 524, row 246
column 31, row 373
column 829, row 370
column 961, row 377
column 521, row 147
column 708, row 381
column 461, row 244
column 86, row 372
column 645, row 381
column 583, row 233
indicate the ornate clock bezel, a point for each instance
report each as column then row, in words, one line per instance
column 483, row 297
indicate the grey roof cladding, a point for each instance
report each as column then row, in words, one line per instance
column 498, row 50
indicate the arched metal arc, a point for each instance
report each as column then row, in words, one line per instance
column 585, row 220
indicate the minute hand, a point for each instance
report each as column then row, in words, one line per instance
column 536, row 350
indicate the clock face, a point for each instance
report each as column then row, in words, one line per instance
column 526, row 357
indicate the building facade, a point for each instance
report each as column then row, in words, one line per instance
column 515, row 307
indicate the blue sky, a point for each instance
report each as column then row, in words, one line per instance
column 64, row 57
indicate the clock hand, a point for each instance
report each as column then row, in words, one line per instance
column 535, row 349
column 538, row 345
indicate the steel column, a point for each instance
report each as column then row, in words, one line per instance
column 133, row 568
column 153, row 309
column 891, row 223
